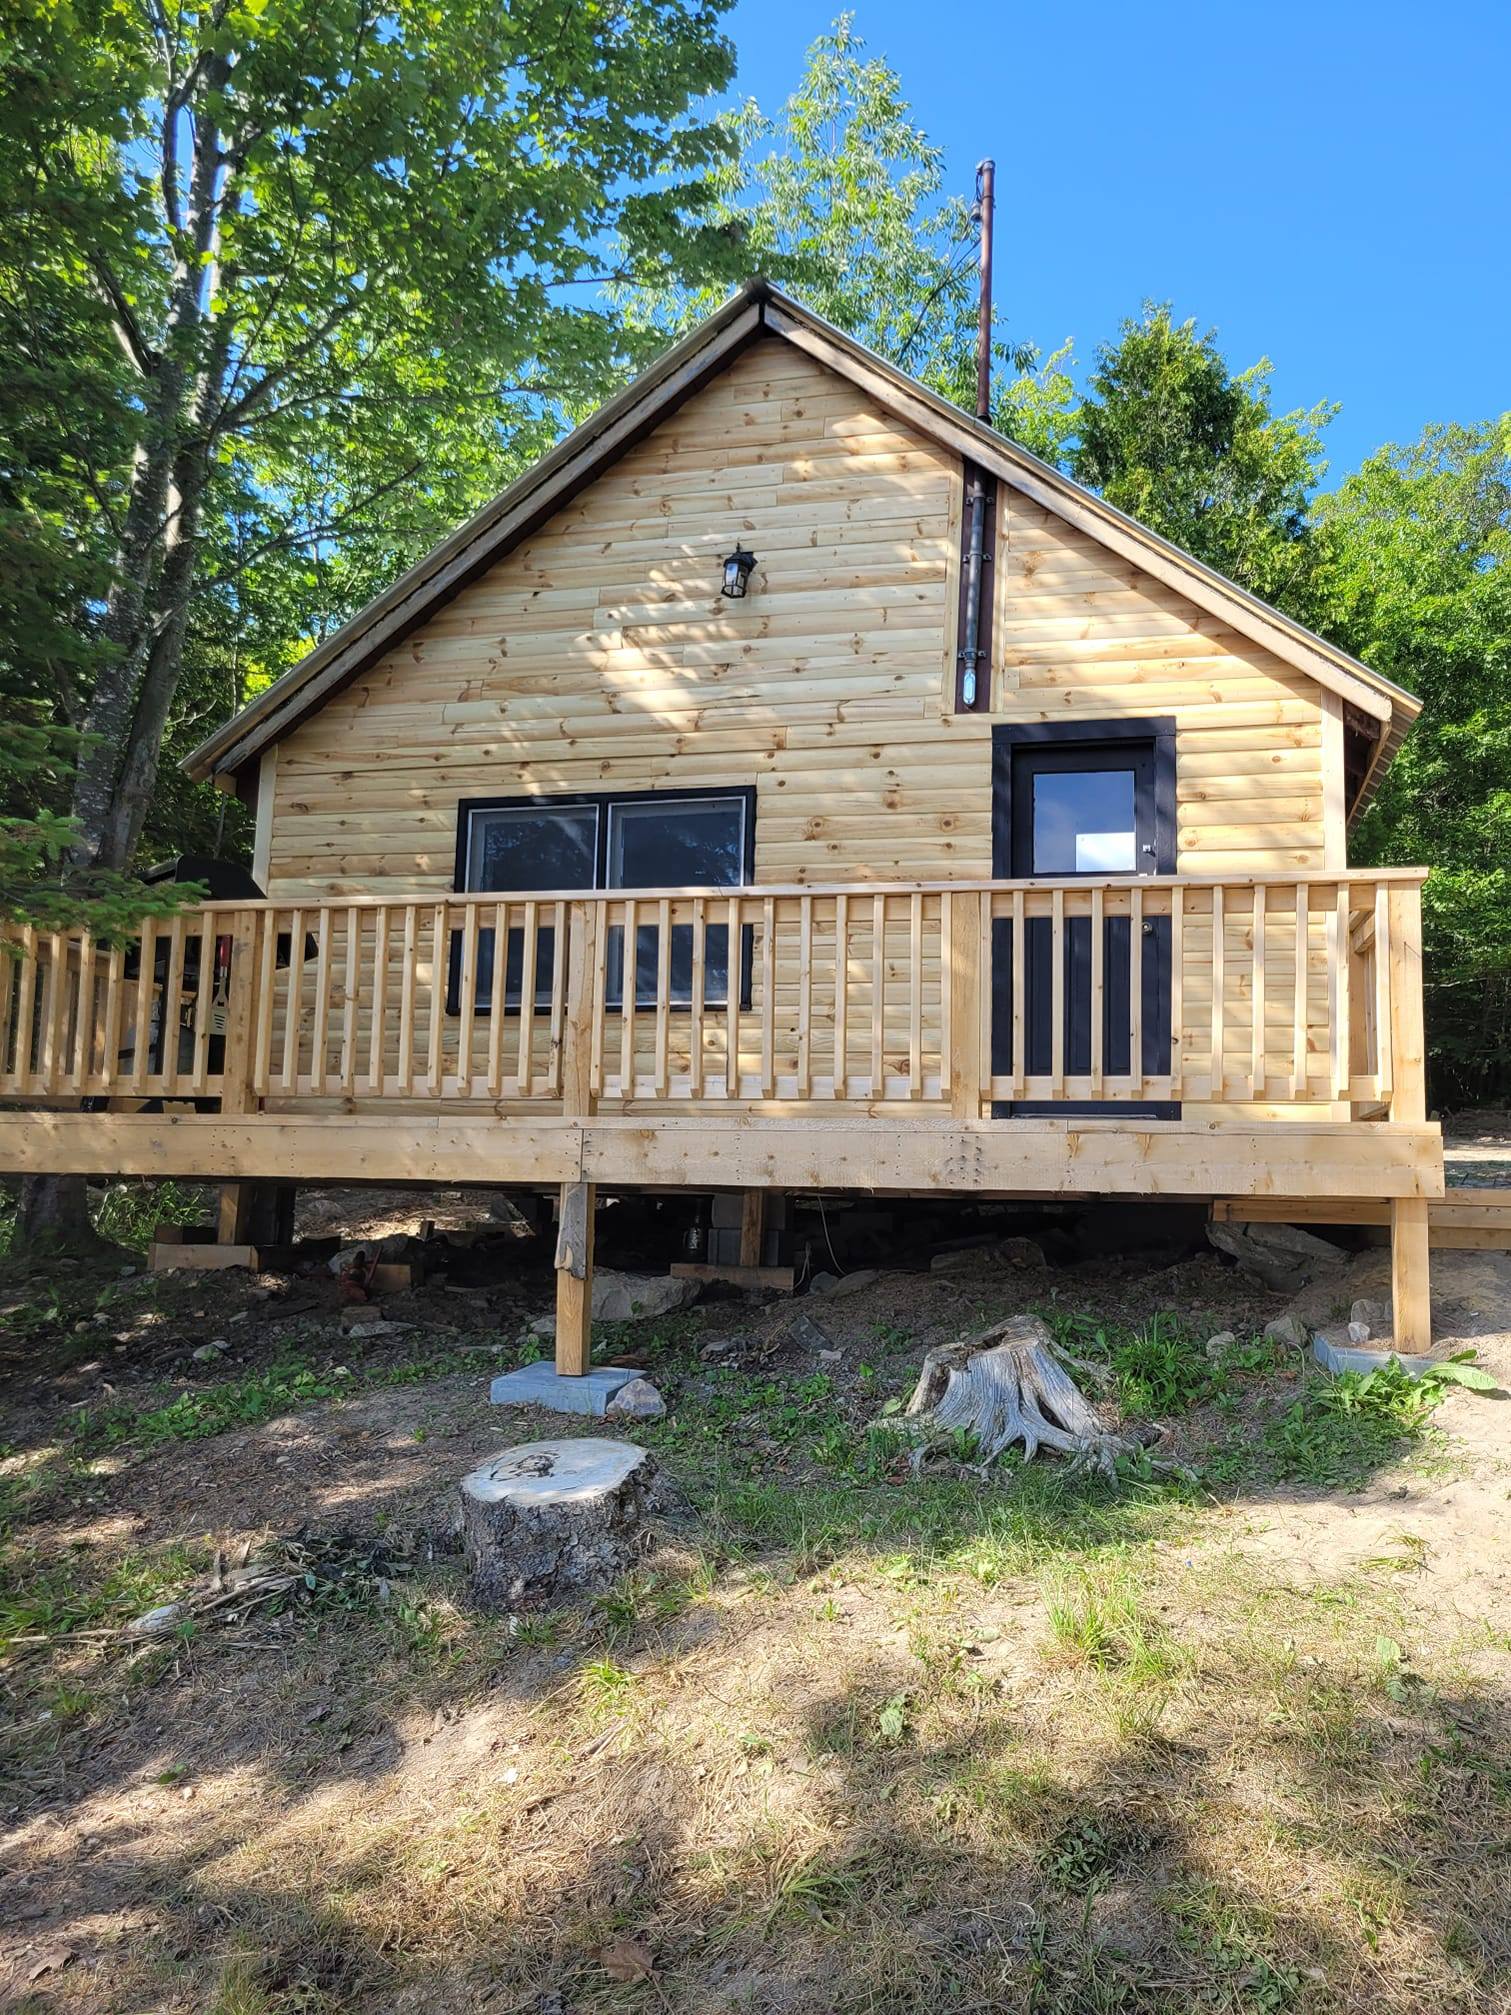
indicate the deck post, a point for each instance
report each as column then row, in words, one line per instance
column 962, row 1067
column 1410, row 1296
column 574, row 1279
column 236, row 1202
column 752, row 1226
column 1409, row 1267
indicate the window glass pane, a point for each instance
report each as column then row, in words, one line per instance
column 533, row 847
column 677, row 843
column 1084, row 823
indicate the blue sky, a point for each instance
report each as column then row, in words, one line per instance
column 1329, row 184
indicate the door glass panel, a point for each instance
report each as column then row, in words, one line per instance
column 1084, row 823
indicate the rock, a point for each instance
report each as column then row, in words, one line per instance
column 800, row 1331
column 1288, row 1330
column 207, row 1353
column 1217, row 1346
column 830, row 1356
column 1377, row 1317
column 639, row 1400
column 153, row 1622
column 370, row 1322
column 1342, row 1336
column 720, row 1348
column 630, row 1297
column 552, row 1518
column 1002, row 1252
column 834, row 1287
column 1278, row 1256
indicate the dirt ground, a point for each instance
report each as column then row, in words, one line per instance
column 853, row 1740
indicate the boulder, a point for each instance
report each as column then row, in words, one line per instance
column 1217, row 1346
column 1278, row 1256
column 834, row 1287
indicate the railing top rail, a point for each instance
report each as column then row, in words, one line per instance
column 428, row 898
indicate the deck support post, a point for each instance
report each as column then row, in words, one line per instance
column 1410, row 1297
column 236, row 1204
column 752, row 1227
column 574, row 1279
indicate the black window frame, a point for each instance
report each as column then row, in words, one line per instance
column 601, row 803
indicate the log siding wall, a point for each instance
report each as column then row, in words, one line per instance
column 600, row 656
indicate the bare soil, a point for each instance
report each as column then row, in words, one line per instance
column 854, row 1741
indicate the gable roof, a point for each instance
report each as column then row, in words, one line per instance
column 757, row 310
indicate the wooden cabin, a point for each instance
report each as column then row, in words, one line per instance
column 584, row 871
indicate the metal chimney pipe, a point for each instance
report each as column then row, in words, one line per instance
column 986, row 188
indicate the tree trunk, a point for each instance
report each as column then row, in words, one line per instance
column 54, row 1216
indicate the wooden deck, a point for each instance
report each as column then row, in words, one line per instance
column 845, row 1038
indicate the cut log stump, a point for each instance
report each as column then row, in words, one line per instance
column 551, row 1519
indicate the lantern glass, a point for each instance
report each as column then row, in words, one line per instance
column 737, row 569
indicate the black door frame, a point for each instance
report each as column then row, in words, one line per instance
column 1156, row 732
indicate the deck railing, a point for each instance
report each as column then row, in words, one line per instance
column 1267, row 991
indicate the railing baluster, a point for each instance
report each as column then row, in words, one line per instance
column 524, row 1069
column 267, row 974
column 146, row 982
column 597, row 939
column 1341, row 1030
column 1257, row 998
column 878, row 995
column 467, row 1004
column 203, row 1002
column 805, row 996
column 1098, row 932
column 498, row 988
column 319, row 1034
column 440, row 963
column 1057, row 993
column 408, row 984
column 629, row 989
column 10, row 965
column 661, row 1078
column 115, row 988
column 289, row 1078
column 1177, row 992
column 1383, row 1031
column 377, row 1030
column 83, row 1029
column 1136, row 990
column 1300, row 1007
column 1020, row 991
column 173, row 1004
column 1219, row 996
column 841, row 996
column 350, row 989
column 915, row 995
column 732, row 992
column 695, row 997
column 768, row 997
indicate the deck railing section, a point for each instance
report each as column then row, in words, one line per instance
column 1286, row 992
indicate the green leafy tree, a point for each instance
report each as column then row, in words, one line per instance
column 1419, row 585
column 1168, row 434
column 839, row 198
column 342, row 255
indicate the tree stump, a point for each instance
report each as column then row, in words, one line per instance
column 553, row 1518
column 1005, row 1384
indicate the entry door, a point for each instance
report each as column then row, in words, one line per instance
column 1098, row 802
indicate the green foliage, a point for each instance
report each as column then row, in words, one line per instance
column 1341, row 1429
column 1171, row 436
column 838, row 197
column 1419, row 586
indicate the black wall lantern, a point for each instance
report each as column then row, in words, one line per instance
column 737, row 570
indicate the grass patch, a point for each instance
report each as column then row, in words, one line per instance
column 1342, row 1429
